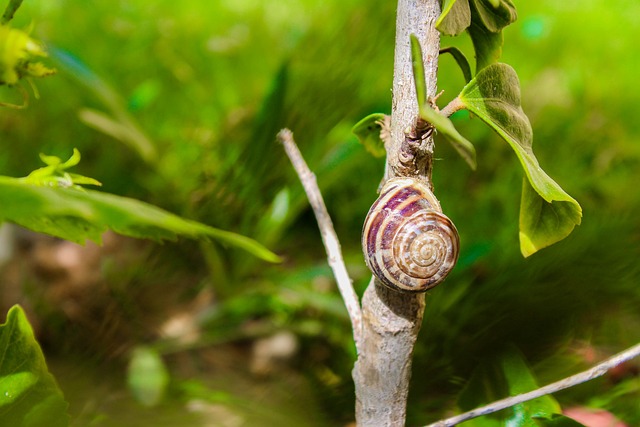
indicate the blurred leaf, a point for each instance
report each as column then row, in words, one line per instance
column 455, row 17
column 510, row 376
column 77, row 215
column 520, row 380
column 11, row 9
column 494, row 96
column 451, row 134
column 122, row 126
column 495, row 14
column 461, row 60
column 147, row 376
column 18, row 53
column 29, row 395
column 368, row 132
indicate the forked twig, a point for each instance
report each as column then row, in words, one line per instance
column 595, row 372
column 329, row 237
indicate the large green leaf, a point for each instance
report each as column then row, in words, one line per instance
column 455, row 17
column 549, row 213
column 29, row 396
column 78, row 214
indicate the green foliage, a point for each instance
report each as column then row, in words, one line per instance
column 509, row 376
column 549, row 214
column 29, row 396
column 49, row 200
column 147, row 376
column 213, row 75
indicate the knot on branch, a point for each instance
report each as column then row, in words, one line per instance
column 416, row 150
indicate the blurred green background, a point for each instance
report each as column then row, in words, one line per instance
column 178, row 104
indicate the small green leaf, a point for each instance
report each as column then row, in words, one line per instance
column 495, row 14
column 147, row 376
column 55, row 175
column 487, row 45
column 461, row 60
column 29, row 395
column 77, row 215
column 451, row 134
column 494, row 96
column 418, row 70
column 455, row 17
column 368, row 132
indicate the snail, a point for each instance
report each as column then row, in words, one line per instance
column 408, row 243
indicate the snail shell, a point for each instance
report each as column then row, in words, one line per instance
column 408, row 243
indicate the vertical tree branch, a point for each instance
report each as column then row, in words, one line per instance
column 392, row 320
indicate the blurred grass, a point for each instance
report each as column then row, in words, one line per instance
column 210, row 84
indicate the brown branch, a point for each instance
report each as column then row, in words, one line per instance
column 329, row 237
column 595, row 372
column 392, row 320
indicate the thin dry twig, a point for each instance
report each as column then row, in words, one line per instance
column 329, row 237
column 595, row 372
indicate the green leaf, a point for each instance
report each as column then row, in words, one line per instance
column 520, row 380
column 55, row 175
column 368, row 132
column 494, row 96
column 508, row 376
column 487, row 45
column 455, row 17
column 147, row 376
column 77, row 215
column 29, row 396
column 451, row 134
column 418, row 70
column 495, row 14
column 461, row 60
column 543, row 224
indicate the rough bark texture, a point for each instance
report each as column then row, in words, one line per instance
column 392, row 320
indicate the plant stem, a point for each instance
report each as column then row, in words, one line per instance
column 392, row 320
column 329, row 237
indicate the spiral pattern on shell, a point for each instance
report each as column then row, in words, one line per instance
column 408, row 243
